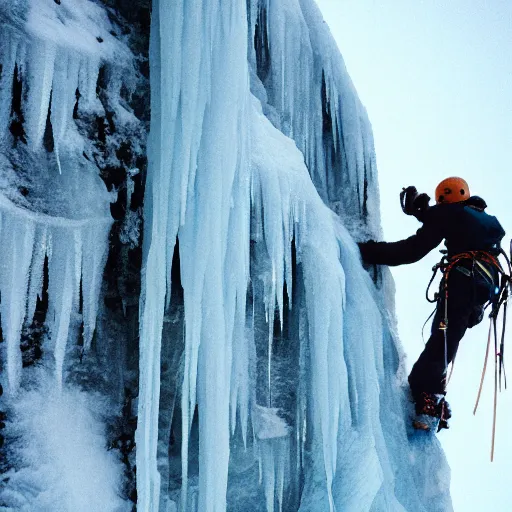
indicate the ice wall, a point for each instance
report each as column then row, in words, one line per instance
column 311, row 99
column 270, row 375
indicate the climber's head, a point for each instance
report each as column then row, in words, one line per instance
column 452, row 190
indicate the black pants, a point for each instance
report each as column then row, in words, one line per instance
column 468, row 290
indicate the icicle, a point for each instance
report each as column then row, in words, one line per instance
column 283, row 449
column 271, row 308
column 7, row 64
column 269, row 477
column 64, row 307
column 95, row 243
column 65, row 83
column 272, row 436
column 17, row 241
column 64, row 267
column 37, row 270
column 152, row 294
column 41, row 59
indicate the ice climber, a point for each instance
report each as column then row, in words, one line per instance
column 471, row 276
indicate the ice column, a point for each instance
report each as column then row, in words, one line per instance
column 198, row 190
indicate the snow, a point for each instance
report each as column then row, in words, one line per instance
column 61, row 461
column 267, row 424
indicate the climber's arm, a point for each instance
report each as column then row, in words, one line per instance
column 410, row 250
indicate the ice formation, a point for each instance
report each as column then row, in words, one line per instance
column 313, row 413
column 54, row 230
column 57, row 56
column 269, row 372
column 76, row 252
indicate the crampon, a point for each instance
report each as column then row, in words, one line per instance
column 432, row 412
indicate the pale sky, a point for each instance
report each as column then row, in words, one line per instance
column 436, row 79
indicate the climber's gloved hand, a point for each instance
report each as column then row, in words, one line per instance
column 366, row 249
column 421, row 202
column 413, row 203
column 407, row 198
column 421, row 205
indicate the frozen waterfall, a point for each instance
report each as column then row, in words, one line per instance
column 276, row 335
column 188, row 326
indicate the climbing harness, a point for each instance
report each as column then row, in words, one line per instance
column 479, row 260
column 446, row 265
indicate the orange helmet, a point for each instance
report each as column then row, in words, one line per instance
column 452, row 190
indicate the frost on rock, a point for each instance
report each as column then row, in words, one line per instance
column 270, row 372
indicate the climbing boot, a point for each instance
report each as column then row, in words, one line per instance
column 432, row 412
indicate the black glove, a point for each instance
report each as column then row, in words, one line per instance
column 420, row 206
column 413, row 203
column 366, row 248
column 407, row 197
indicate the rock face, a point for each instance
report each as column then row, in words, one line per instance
column 181, row 293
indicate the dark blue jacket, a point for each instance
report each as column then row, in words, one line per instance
column 464, row 226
